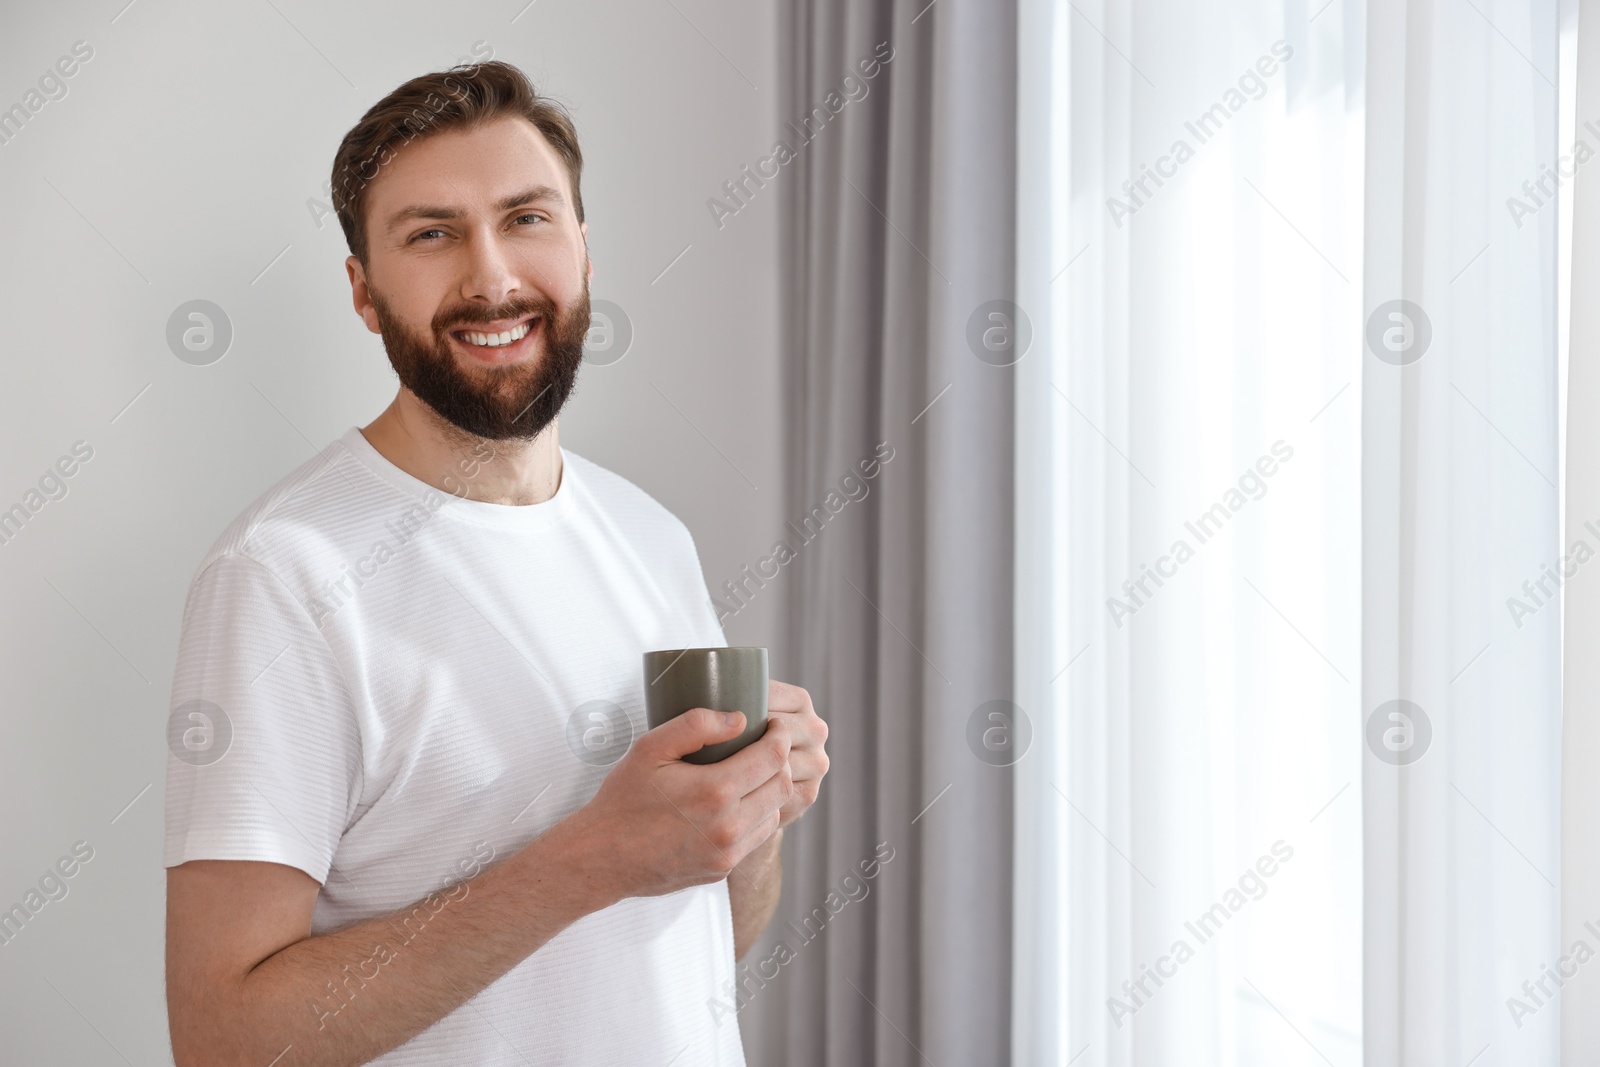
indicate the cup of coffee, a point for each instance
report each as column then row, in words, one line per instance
column 722, row 679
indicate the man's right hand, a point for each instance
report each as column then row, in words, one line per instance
column 664, row 825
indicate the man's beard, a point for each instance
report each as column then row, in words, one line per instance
column 511, row 401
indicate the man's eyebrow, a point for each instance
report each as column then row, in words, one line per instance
column 535, row 194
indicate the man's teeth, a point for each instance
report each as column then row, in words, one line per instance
column 496, row 340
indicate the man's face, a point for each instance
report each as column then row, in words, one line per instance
column 472, row 232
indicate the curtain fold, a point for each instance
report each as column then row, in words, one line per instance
column 899, row 220
column 1580, row 742
column 1459, row 511
column 1042, row 1022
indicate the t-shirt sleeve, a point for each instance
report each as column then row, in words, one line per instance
column 264, row 750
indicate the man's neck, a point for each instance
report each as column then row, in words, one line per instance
column 414, row 438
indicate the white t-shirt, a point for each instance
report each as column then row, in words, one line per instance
column 391, row 687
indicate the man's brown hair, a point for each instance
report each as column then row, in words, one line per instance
column 463, row 96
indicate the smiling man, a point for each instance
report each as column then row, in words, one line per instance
column 412, row 814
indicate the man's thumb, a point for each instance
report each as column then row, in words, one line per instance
column 696, row 728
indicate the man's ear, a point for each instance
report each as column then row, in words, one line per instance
column 360, row 295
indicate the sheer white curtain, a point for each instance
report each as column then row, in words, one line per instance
column 1242, row 533
column 1460, row 510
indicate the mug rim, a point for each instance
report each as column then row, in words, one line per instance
column 711, row 648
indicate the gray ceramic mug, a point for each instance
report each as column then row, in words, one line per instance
column 722, row 679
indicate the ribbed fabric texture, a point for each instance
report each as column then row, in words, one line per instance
column 399, row 672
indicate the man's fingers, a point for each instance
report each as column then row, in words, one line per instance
column 785, row 698
column 768, row 797
column 691, row 731
column 792, row 705
column 755, row 763
column 807, row 767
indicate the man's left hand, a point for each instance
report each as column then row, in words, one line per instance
column 807, row 761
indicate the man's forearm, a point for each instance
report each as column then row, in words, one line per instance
column 346, row 997
column 753, row 889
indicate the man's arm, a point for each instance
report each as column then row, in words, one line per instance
column 346, row 997
column 753, row 890
column 247, row 984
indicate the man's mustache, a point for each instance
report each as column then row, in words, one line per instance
column 461, row 319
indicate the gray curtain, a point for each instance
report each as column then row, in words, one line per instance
column 899, row 222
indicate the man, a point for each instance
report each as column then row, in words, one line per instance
column 412, row 814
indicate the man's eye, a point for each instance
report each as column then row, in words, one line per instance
column 424, row 234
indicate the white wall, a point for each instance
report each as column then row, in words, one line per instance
column 178, row 166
